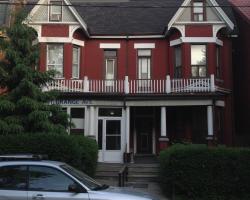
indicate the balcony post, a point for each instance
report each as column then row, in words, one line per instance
column 85, row 84
column 212, row 83
column 168, row 84
column 126, row 85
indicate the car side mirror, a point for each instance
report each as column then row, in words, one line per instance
column 75, row 188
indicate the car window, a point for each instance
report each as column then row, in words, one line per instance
column 13, row 178
column 48, row 179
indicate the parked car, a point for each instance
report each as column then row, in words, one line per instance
column 29, row 177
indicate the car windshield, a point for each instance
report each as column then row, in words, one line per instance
column 85, row 179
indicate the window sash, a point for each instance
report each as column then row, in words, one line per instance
column 178, row 63
column 55, row 9
column 198, row 11
column 144, row 64
column 55, row 59
column 76, row 62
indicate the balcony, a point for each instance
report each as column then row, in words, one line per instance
column 167, row 86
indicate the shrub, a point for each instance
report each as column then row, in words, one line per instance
column 78, row 151
column 198, row 172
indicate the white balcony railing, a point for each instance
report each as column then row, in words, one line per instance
column 134, row 86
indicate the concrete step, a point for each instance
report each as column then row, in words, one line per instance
column 143, row 178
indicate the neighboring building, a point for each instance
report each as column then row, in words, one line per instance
column 242, row 72
column 137, row 74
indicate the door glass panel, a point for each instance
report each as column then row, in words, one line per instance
column 113, row 135
column 48, row 179
column 13, row 177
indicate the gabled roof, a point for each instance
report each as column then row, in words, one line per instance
column 242, row 6
column 131, row 17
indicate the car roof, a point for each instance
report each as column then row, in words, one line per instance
column 31, row 162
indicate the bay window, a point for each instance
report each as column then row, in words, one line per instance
column 199, row 61
column 76, row 62
column 55, row 59
column 178, row 63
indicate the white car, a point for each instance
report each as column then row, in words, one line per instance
column 25, row 177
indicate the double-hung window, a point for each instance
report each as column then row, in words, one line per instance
column 55, row 59
column 76, row 62
column 144, row 64
column 110, row 66
column 198, row 10
column 55, row 11
column 178, row 63
column 199, row 60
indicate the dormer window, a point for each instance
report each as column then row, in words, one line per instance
column 198, row 11
column 55, row 11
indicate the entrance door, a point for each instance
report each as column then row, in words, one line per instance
column 144, row 131
column 110, row 140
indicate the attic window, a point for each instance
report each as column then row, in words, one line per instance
column 55, row 11
column 198, row 11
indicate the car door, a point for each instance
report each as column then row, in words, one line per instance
column 13, row 182
column 48, row 183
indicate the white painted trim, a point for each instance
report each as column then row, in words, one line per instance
column 196, row 40
column 127, row 37
column 177, row 14
column 175, row 42
column 61, row 40
column 144, row 45
column 220, row 103
column 171, row 103
column 77, row 16
column 213, row 2
column 199, row 23
column 223, row 14
column 45, row 22
column 110, row 45
column 78, row 42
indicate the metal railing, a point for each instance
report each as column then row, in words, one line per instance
column 127, row 86
column 123, row 176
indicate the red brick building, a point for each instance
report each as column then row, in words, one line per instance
column 242, row 72
column 137, row 75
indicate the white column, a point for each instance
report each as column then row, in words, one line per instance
column 163, row 122
column 85, row 84
column 127, row 129
column 92, row 121
column 210, row 127
column 86, row 121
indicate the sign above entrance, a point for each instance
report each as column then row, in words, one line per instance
column 72, row 102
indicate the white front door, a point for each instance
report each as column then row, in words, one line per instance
column 111, row 140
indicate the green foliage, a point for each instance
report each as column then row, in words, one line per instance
column 78, row 151
column 25, row 108
column 202, row 173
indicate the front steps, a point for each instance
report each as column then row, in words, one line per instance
column 145, row 169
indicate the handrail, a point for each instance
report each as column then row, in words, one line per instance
column 123, row 176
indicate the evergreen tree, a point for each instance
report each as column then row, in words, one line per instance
column 25, row 108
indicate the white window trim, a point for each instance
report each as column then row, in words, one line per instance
column 61, row 40
column 110, row 45
column 144, row 45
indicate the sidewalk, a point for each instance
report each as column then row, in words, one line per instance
column 149, row 187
